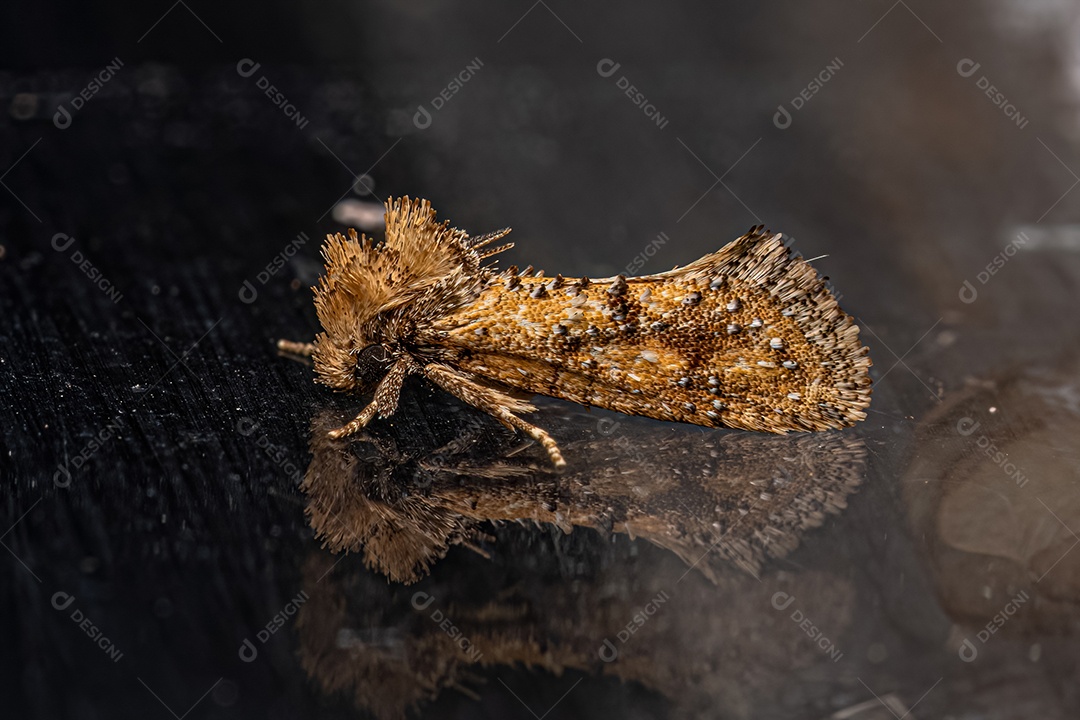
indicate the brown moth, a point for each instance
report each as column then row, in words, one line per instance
column 747, row 337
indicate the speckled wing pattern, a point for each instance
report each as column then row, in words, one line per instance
column 747, row 337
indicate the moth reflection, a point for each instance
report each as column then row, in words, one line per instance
column 691, row 617
column 441, row 474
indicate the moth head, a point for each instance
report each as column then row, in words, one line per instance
column 374, row 294
column 344, row 368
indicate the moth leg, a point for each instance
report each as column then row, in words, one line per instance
column 495, row 403
column 296, row 348
column 538, row 434
column 389, row 390
column 384, row 404
column 357, row 423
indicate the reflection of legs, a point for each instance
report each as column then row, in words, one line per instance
column 296, row 348
column 385, row 402
column 495, row 403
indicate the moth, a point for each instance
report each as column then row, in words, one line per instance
column 747, row 337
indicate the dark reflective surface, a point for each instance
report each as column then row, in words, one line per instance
column 180, row 540
column 445, row 475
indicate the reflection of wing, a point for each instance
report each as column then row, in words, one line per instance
column 747, row 337
column 734, row 497
column 753, row 499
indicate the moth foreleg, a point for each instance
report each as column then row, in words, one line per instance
column 357, row 423
column 389, row 390
column 384, row 404
column 296, row 348
column 495, row 403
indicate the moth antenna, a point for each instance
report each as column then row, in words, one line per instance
column 487, row 238
column 496, row 250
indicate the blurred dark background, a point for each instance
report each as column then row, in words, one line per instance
column 130, row 354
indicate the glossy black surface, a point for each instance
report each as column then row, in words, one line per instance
column 919, row 565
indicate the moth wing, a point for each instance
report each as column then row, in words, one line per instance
column 748, row 337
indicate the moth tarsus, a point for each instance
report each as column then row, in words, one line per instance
column 296, row 348
column 747, row 337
